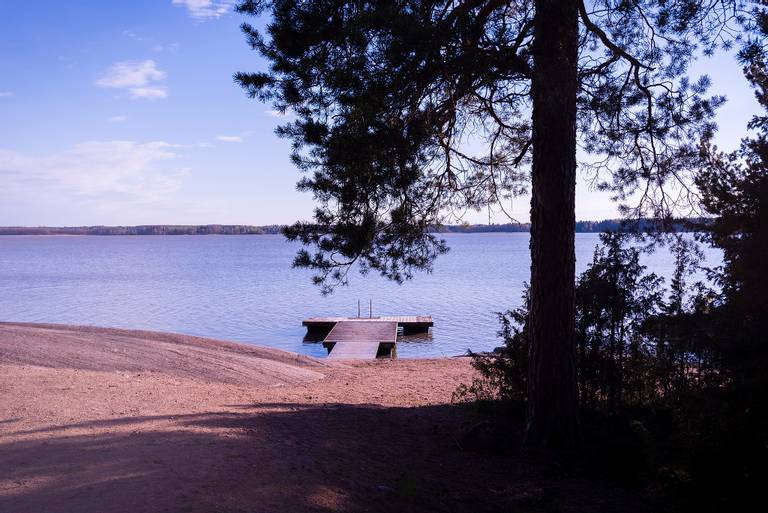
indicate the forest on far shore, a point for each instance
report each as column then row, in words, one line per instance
column 606, row 225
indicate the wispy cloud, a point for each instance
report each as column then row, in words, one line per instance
column 229, row 138
column 6, row 94
column 131, row 74
column 149, row 93
column 117, row 119
column 206, row 9
column 96, row 173
column 137, row 77
column 171, row 47
column 133, row 35
column 275, row 113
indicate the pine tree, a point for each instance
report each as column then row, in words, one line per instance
column 409, row 110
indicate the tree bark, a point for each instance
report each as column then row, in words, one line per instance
column 552, row 395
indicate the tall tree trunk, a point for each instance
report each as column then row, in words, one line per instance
column 583, row 366
column 552, row 395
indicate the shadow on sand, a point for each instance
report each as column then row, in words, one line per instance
column 275, row 458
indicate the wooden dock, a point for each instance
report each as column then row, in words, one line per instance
column 360, row 339
column 354, row 351
column 363, row 337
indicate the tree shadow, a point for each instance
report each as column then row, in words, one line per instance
column 281, row 457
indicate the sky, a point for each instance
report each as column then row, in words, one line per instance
column 125, row 112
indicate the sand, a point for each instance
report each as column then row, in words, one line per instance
column 107, row 420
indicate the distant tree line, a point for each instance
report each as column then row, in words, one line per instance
column 607, row 225
column 160, row 229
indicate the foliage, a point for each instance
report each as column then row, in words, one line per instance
column 478, row 391
column 505, row 370
column 631, row 344
column 404, row 114
column 730, row 422
column 407, row 112
column 672, row 382
column 734, row 190
column 613, row 299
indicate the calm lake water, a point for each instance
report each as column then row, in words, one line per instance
column 243, row 288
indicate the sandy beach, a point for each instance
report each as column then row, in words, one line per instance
column 95, row 419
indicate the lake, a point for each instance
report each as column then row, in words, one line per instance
column 243, row 288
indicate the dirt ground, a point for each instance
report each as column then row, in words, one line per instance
column 105, row 420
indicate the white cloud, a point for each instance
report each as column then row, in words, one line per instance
column 6, row 94
column 137, row 77
column 149, row 93
column 229, row 138
column 206, row 9
column 95, row 173
column 131, row 74
column 117, row 119
column 274, row 113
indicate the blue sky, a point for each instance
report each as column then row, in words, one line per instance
column 125, row 112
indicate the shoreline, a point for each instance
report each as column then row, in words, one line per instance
column 583, row 226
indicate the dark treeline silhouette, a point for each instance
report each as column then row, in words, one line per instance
column 607, row 225
column 160, row 229
column 672, row 381
column 672, row 388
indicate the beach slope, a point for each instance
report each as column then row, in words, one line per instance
column 95, row 420
column 112, row 350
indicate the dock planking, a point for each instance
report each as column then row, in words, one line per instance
column 363, row 338
column 356, row 339
column 363, row 331
column 354, row 351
